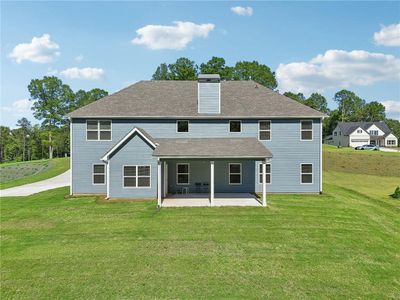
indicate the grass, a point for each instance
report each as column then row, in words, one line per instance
column 343, row 244
column 16, row 174
column 334, row 149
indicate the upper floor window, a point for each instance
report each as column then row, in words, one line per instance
column 359, row 131
column 335, row 133
column 182, row 126
column 97, row 130
column 235, row 126
column 373, row 132
column 264, row 130
column 306, row 130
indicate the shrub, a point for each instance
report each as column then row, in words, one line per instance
column 396, row 194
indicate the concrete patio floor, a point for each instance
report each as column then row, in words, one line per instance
column 220, row 199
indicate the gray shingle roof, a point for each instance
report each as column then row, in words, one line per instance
column 211, row 147
column 349, row 127
column 179, row 99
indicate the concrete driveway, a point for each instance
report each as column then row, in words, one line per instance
column 40, row 186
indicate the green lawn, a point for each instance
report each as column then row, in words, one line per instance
column 15, row 174
column 343, row 244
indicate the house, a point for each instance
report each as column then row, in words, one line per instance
column 155, row 139
column 353, row 134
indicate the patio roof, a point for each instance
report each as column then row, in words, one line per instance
column 211, row 148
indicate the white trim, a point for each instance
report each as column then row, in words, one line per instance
column 260, row 172
column 134, row 130
column 165, row 178
column 312, row 130
column 137, row 177
column 70, row 159
column 259, row 130
column 159, row 197
column 212, row 167
column 229, row 173
column 312, row 173
column 210, row 156
column 320, row 158
column 264, row 184
column 98, row 130
column 204, row 116
column 188, row 173
column 108, row 179
column 229, row 126
column 176, row 125
column 105, row 179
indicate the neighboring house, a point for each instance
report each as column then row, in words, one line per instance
column 156, row 138
column 353, row 134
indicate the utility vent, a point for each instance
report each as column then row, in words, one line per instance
column 209, row 94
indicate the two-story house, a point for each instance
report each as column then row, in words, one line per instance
column 353, row 134
column 158, row 138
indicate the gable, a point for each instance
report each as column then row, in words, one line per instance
column 363, row 132
column 373, row 127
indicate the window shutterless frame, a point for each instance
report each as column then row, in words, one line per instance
column 240, row 126
column 260, row 130
column 137, row 176
column 177, row 126
column 99, row 173
column 98, row 130
column 269, row 174
column 306, row 173
column 235, row 173
column 182, row 173
column 306, row 130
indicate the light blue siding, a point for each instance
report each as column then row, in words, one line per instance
column 135, row 152
column 285, row 144
column 209, row 98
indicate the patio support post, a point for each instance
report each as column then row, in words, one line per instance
column 212, row 183
column 264, row 184
column 159, row 183
column 165, row 191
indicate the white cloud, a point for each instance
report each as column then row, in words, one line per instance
column 392, row 108
column 388, row 36
column 242, row 11
column 18, row 107
column 83, row 73
column 39, row 50
column 79, row 58
column 337, row 69
column 175, row 37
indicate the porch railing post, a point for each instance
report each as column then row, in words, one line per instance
column 159, row 183
column 264, row 184
column 212, row 183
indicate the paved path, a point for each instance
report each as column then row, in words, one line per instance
column 36, row 187
column 388, row 149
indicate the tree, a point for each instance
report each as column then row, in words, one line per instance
column 329, row 124
column 25, row 126
column 318, row 102
column 162, row 72
column 4, row 140
column 246, row 70
column 216, row 65
column 51, row 100
column 83, row 98
column 350, row 106
column 394, row 125
column 374, row 111
column 299, row 97
column 183, row 69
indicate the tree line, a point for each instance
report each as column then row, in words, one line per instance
column 52, row 100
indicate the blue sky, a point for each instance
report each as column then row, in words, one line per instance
column 313, row 46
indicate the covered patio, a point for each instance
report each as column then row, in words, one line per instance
column 204, row 165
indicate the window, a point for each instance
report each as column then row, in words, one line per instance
column 99, row 174
column 359, row 131
column 391, row 142
column 306, row 130
column 235, row 173
column 182, row 174
column 373, row 132
column 235, row 126
column 136, row 176
column 267, row 173
column 306, row 173
column 335, row 133
column 182, row 126
column 360, row 141
column 264, row 130
column 98, row 130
